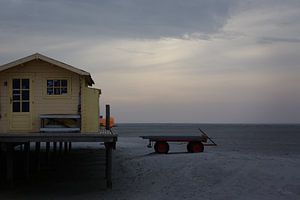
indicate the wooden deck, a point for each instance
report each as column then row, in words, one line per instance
column 102, row 136
column 8, row 141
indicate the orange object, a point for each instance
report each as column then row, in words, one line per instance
column 102, row 122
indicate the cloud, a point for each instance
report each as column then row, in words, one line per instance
column 178, row 61
column 275, row 39
column 119, row 18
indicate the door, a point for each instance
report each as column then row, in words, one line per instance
column 20, row 103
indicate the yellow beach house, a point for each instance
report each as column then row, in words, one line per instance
column 41, row 94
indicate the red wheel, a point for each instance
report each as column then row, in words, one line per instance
column 195, row 147
column 161, row 147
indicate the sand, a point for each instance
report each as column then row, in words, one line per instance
column 215, row 174
column 233, row 170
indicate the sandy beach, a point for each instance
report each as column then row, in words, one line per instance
column 262, row 167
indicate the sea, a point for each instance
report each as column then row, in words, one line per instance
column 271, row 139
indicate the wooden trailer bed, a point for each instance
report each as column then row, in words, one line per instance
column 195, row 144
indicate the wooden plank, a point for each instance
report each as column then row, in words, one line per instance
column 59, row 129
column 49, row 139
column 59, row 116
column 59, row 137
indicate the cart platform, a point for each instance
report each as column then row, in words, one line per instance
column 175, row 138
column 195, row 144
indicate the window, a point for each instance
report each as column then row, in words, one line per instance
column 57, row 87
column 20, row 95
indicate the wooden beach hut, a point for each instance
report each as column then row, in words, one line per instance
column 43, row 100
column 40, row 94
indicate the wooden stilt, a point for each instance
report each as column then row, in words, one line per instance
column 54, row 149
column 2, row 163
column 27, row 159
column 70, row 146
column 9, row 164
column 47, row 151
column 66, row 147
column 38, row 156
column 60, row 147
column 108, row 169
column 107, row 122
column 54, row 153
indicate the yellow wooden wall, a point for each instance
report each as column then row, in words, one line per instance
column 42, row 104
column 90, row 109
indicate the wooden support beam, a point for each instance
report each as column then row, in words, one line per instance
column 47, row 151
column 27, row 159
column 108, row 167
column 60, row 147
column 9, row 163
column 54, row 148
column 66, row 147
column 38, row 156
column 70, row 146
column 54, row 152
column 107, row 117
column 2, row 163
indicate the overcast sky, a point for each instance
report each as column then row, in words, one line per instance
column 194, row 61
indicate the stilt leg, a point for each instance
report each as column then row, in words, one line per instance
column 54, row 146
column 1, row 164
column 108, row 170
column 70, row 146
column 60, row 147
column 27, row 159
column 9, row 164
column 38, row 156
column 66, row 147
column 47, row 151
column 54, row 149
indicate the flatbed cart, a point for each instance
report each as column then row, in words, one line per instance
column 194, row 143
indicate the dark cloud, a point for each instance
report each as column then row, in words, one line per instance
column 120, row 18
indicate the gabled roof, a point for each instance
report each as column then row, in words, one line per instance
column 57, row 63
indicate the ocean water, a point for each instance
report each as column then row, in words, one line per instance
column 271, row 139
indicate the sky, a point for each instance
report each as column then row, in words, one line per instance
column 178, row 61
